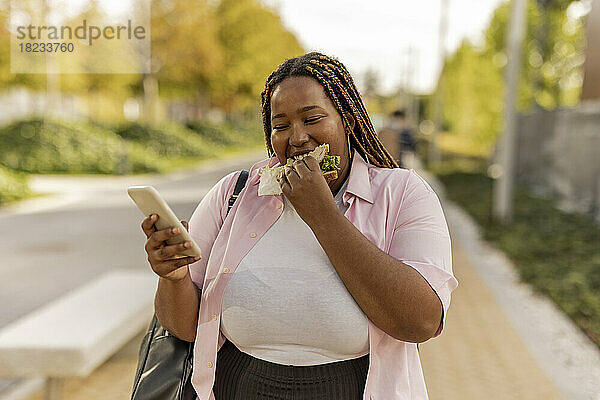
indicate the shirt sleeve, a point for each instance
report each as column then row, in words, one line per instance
column 206, row 221
column 422, row 241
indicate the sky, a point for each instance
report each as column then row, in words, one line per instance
column 397, row 39
column 390, row 37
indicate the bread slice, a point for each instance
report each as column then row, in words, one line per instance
column 269, row 185
column 330, row 176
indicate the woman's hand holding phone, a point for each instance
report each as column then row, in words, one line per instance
column 165, row 259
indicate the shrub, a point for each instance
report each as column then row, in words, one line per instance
column 13, row 185
column 43, row 146
column 169, row 140
column 228, row 133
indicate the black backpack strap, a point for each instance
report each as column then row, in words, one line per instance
column 239, row 185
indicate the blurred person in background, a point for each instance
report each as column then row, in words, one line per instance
column 323, row 291
column 407, row 145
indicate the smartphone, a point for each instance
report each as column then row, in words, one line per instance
column 149, row 201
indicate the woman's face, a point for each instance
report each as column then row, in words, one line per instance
column 302, row 118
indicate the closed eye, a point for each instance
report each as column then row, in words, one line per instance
column 313, row 120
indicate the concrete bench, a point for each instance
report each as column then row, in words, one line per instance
column 74, row 334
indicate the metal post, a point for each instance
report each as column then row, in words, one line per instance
column 503, row 193
column 53, row 95
column 53, row 389
column 411, row 116
column 434, row 151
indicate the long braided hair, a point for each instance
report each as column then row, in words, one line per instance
column 341, row 90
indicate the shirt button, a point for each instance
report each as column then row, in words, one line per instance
column 253, row 235
column 214, row 317
column 225, row 270
column 210, row 364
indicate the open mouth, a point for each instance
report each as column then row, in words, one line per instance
column 300, row 156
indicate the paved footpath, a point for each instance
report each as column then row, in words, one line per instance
column 480, row 355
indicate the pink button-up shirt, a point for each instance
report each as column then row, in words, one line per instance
column 394, row 208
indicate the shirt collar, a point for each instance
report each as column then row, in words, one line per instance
column 359, row 182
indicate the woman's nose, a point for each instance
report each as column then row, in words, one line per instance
column 298, row 136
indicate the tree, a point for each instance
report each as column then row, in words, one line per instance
column 186, row 53
column 8, row 79
column 370, row 86
column 552, row 53
column 215, row 53
column 87, row 58
column 5, row 75
column 254, row 42
column 551, row 73
column 473, row 96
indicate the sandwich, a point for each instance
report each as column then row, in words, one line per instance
column 268, row 184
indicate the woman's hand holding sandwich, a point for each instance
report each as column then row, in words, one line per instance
column 304, row 185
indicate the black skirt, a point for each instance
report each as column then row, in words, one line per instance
column 239, row 376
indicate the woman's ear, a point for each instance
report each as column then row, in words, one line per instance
column 350, row 119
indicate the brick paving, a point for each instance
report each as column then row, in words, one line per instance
column 478, row 356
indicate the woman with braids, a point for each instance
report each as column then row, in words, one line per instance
column 324, row 291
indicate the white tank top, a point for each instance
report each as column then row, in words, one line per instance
column 285, row 302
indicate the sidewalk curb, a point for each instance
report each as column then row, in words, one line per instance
column 565, row 354
column 23, row 388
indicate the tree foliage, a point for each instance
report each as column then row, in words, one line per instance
column 472, row 95
column 7, row 79
column 254, row 42
column 216, row 52
column 551, row 73
column 552, row 53
column 186, row 52
column 117, row 86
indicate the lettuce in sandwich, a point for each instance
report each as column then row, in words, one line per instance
column 268, row 184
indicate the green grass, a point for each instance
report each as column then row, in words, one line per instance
column 558, row 253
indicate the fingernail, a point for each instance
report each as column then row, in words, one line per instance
column 175, row 230
column 197, row 258
column 187, row 245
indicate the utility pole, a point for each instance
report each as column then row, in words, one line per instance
column 412, row 117
column 414, row 76
column 434, row 151
column 407, row 81
column 52, row 106
column 504, row 186
column 402, row 74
